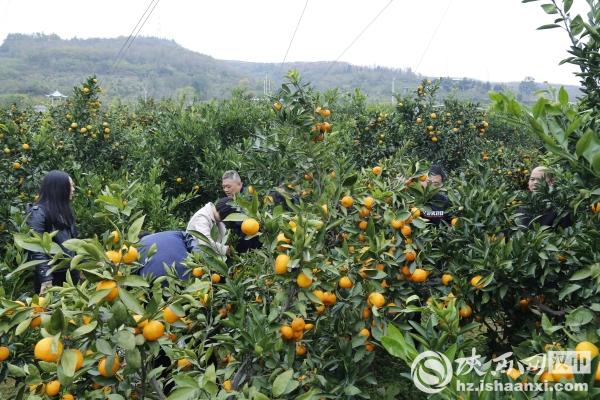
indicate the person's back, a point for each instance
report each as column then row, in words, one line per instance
column 171, row 247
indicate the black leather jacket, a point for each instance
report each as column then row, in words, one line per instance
column 38, row 222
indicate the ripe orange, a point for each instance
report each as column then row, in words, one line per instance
column 114, row 256
column 198, row 272
column 377, row 170
column 107, row 284
column 79, row 359
column 513, row 373
column 419, row 275
column 215, row 278
column 454, row 221
column 329, row 298
column 364, row 212
column 300, row 349
column 325, row 112
column 406, row 231
column 115, row 367
column 476, row 282
column 446, row 279
column 347, row 201
column 184, row 364
column 250, row 227
column 52, row 388
column 298, row 324
column 376, row 299
column 363, row 225
column 131, row 256
column 153, row 330
column 287, row 333
column 410, row 255
column 170, row 316
column 303, row 281
column 25, row 146
column 4, row 353
column 37, row 321
column 546, row 377
column 277, row 106
column 416, row 213
column 364, row 332
column 116, row 238
column 397, row 224
column 308, row 327
column 562, row 371
column 281, row 264
column 45, row 351
column 369, row 346
column 369, row 202
column 465, row 311
column 67, row 396
column 583, row 347
column 227, row 386
column 345, row 283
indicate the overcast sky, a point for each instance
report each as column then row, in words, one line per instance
column 491, row 40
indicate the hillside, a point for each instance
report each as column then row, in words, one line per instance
column 34, row 65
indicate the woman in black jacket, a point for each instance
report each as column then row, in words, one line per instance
column 52, row 212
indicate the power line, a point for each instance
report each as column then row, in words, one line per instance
column 433, row 36
column 143, row 23
column 293, row 36
column 120, row 52
column 358, row 36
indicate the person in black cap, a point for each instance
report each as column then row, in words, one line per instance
column 439, row 203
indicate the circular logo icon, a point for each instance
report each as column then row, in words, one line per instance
column 431, row 372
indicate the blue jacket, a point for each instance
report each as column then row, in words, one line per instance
column 171, row 247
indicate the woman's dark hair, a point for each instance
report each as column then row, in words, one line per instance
column 437, row 169
column 224, row 208
column 54, row 196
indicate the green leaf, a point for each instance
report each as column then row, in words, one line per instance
column 15, row 371
column 567, row 290
column 104, row 347
column 84, row 329
column 184, row 394
column 134, row 229
column 548, row 26
column 281, row 382
column 130, row 302
column 563, row 97
column 581, row 274
column 134, row 281
column 133, row 358
column 68, row 362
column 22, row 327
column 579, row 317
column 126, row 340
column 550, row 8
column 351, row 390
column 567, row 5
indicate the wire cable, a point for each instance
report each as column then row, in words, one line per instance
column 144, row 23
column 119, row 53
column 358, row 36
column 433, row 36
column 293, row 36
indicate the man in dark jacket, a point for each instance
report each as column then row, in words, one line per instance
column 439, row 203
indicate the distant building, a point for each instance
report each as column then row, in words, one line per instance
column 56, row 96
